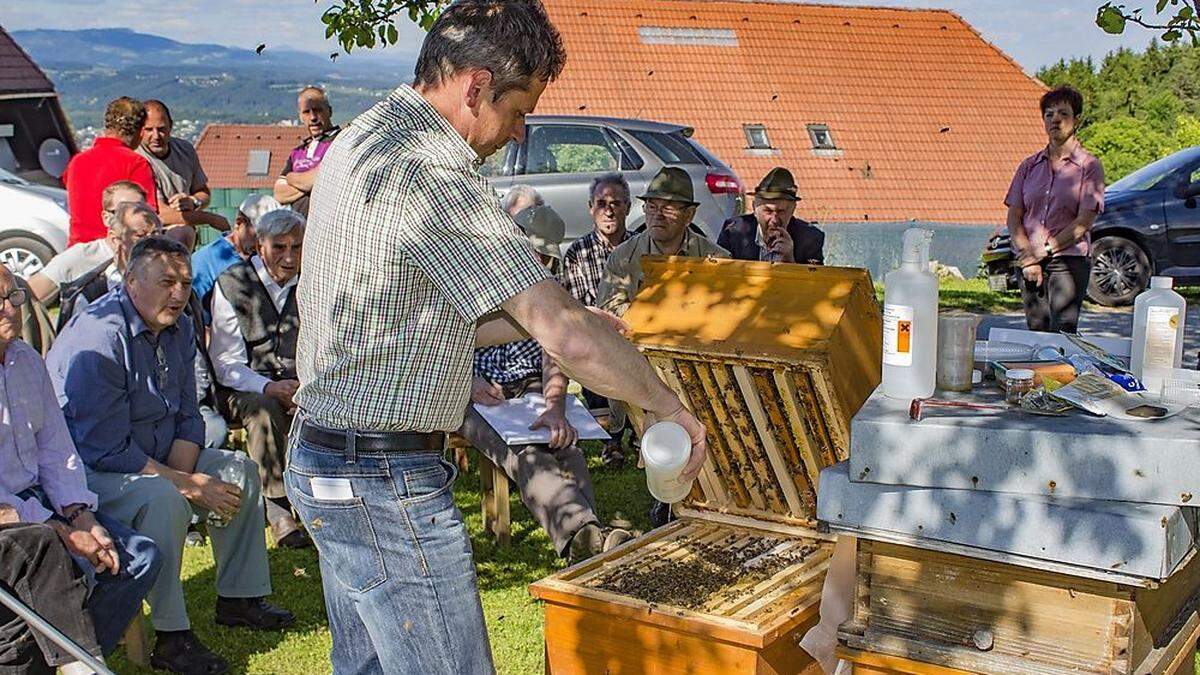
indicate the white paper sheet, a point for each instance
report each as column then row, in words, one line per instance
column 512, row 419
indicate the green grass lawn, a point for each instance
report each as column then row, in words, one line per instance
column 514, row 619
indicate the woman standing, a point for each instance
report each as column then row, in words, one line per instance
column 1054, row 198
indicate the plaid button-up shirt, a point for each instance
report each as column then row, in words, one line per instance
column 406, row 249
column 583, row 266
column 507, row 363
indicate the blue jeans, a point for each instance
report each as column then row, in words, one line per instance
column 396, row 566
column 114, row 599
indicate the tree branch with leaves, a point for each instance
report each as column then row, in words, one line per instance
column 1172, row 19
column 369, row 23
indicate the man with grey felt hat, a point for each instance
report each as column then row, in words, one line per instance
column 772, row 232
column 670, row 205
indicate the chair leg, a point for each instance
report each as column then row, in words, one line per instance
column 503, row 517
column 137, row 643
column 487, row 494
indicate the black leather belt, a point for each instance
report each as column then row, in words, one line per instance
column 373, row 441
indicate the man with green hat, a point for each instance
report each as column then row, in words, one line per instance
column 670, row 205
column 772, row 232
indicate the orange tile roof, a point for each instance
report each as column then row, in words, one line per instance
column 224, row 151
column 930, row 119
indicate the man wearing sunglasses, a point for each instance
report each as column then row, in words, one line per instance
column 123, row 372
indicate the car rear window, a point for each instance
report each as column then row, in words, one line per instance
column 671, row 148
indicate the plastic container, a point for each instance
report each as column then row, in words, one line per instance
column 1181, row 387
column 910, row 300
column 1158, row 318
column 1017, row 383
column 235, row 474
column 956, row 351
column 666, row 448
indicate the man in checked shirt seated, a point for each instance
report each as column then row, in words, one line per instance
column 553, row 478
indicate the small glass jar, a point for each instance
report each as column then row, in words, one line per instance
column 1017, row 383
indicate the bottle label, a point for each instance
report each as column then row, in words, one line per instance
column 1162, row 329
column 897, row 335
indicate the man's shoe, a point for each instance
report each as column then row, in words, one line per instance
column 660, row 514
column 182, row 652
column 288, row 534
column 587, row 542
column 612, row 457
column 254, row 613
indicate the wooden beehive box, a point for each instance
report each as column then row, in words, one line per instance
column 982, row 616
column 774, row 360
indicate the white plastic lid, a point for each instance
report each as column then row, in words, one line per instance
column 666, row 447
column 1161, row 282
column 1018, row 374
column 976, row 377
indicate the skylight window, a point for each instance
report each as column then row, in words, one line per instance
column 702, row 37
column 259, row 163
column 756, row 137
column 821, row 136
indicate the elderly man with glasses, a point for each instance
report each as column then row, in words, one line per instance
column 670, row 205
column 255, row 325
column 124, row 378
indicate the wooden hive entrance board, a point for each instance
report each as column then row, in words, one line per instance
column 937, row 607
column 774, row 360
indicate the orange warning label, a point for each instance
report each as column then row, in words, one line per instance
column 903, row 337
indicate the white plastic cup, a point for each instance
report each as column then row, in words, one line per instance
column 956, row 351
column 233, row 473
column 666, row 448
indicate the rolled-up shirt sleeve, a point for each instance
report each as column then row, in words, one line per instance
column 95, row 404
column 60, row 469
column 28, row 510
column 189, row 425
column 1091, row 189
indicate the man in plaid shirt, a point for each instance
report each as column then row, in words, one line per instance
column 411, row 265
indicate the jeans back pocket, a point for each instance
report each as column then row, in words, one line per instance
column 344, row 536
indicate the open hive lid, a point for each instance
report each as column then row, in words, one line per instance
column 775, row 360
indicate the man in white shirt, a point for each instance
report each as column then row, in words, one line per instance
column 81, row 259
column 255, row 325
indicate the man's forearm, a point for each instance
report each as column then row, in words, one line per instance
column 554, row 382
column 303, row 181
column 498, row 328
column 1076, row 231
column 178, row 478
column 286, row 194
column 206, row 218
column 1018, row 239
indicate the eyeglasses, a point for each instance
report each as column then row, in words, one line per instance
column 162, row 370
column 15, row 298
column 663, row 207
column 614, row 204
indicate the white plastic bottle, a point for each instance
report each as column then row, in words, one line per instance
column 666, row 448
column 1158, row 317
column 910, row 301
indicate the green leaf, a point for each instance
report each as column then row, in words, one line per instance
column 1172, row 35
column 1162, row 4
column 393, row 35
column 1110, row 20
column 1187, row 13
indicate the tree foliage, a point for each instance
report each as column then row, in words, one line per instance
column 1172, row 19
column 1138, row 107
column 370, row 23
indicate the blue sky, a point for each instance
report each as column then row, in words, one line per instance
column 1034, row 32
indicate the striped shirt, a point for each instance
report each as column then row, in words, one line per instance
column 508, row 363
column 406, row 249
column 583, row 266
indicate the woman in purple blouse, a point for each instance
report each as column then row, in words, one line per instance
column 1054, row 198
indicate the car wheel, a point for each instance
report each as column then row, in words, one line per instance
column 24, row 256
column 1120, row 271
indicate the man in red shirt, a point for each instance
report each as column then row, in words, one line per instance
column 110, row 159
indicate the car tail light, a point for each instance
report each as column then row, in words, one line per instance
column 723, row 184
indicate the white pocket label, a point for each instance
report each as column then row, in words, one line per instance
column 331, row 489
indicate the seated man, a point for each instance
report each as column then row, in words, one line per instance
column 670, row 205
column 254, row 331
column 236, row 245
column 772, row 232
column 123, row 373
column 553, row 479
column 79, row 260
column 42, row 482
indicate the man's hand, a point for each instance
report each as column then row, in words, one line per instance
column 83, row 544
column 283, row 391
column 181, row 202
column 486, row 393
column 86, row 521
column 562, row 434
column 780, row 243
column 213, row 494
column 1033, row 274
column 8, row 514
column 697, row 433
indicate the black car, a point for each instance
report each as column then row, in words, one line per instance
column 1150, row 226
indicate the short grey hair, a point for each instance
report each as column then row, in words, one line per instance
column 521, row 192
column 153, row 248
column 614, row 179
column 128, row 211
column 278, row 222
